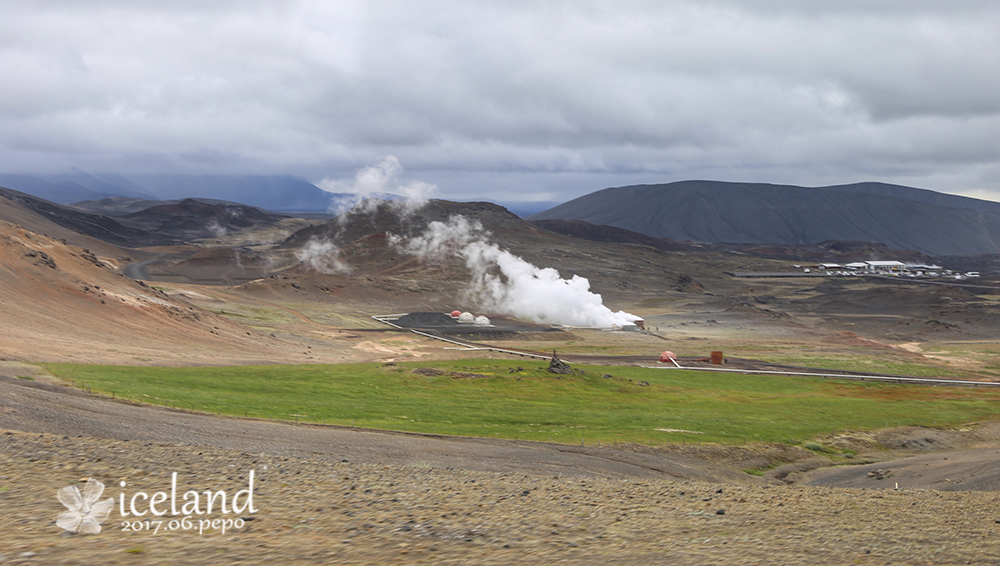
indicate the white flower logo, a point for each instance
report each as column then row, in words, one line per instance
column 85, row 512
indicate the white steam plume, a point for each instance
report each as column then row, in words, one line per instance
column 380, row 182
column 216, row 229
column 323, row 257
column 507, row 284
column 371, row 187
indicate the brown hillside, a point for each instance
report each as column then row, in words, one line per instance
column 62, row 303
column 16, row 213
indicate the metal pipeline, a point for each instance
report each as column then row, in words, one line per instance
column 916, row 380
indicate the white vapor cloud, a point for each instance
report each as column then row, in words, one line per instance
column 323, row 256
column 377, row 183
column 480, row 96
column 507, row 284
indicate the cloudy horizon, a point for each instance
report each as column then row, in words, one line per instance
column 535, row 101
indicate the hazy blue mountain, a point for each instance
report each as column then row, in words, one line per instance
column 272, row 192
column 718, row 212
column 105, row 184
column 74, row 187
column 526, row 209
column 280, row 193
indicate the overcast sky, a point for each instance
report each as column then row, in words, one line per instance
column 538, row 100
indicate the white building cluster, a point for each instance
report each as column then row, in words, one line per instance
column 890, row 268
column 469, row 318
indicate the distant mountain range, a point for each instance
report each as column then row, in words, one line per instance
column 132, row 223
column 74, row 187
column 280, row 193
column 901, row 217
column 277, row 193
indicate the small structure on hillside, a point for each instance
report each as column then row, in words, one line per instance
column 558, row 366
column 440, row 323
column 668, row 357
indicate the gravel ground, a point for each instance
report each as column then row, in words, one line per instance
column 314, row 511
column 334, row 496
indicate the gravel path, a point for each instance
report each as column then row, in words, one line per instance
column 963, row 470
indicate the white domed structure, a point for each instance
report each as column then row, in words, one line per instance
column 466, row 317
column 482, row 321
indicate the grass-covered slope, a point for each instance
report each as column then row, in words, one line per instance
column 494, row 398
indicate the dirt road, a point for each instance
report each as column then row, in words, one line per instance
column 137, row 270
column 963, row 470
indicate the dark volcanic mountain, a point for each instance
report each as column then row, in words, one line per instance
column 191, row 219
column 97, row 226
column 587, row 231
column 709, row 211
column 117, row 207
column 386, row 218
column 833, row 250
column 163, row 224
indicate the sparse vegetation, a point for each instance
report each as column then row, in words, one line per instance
column 866, row 362
column 817, row 447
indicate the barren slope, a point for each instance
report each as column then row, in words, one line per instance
column 61, row 303
column 16, row 213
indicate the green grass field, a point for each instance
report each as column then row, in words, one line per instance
column 533, row 404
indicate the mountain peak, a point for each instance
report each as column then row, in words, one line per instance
column 761, row 213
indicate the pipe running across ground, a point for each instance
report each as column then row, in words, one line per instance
column 915, row 380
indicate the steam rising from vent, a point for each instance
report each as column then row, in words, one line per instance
column 323, row 257
column 216, row 229
column 507, row 284
column 380, row 182
column 371, row 187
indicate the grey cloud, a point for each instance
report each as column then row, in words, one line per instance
column 509, row 95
